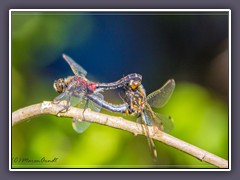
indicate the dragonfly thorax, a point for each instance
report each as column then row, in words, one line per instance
column 136, row 99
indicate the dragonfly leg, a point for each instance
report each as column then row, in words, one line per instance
column 150, row 141
column 65, row 107
column 122, row 97
column 59, row 98
column 85, row 107
column 128, row 110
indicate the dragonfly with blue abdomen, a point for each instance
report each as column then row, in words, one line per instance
column 80, row 87
column 136, row 102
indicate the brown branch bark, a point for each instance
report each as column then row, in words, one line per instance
column 117, row 122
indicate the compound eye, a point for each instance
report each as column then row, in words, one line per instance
column 134, row 84
column 59, row 85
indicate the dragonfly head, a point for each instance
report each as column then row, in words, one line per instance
column 60, row 85
column 134, row 84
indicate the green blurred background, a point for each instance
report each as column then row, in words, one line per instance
column 192, row 48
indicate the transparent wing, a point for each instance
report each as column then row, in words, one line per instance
column 166, row 121
column 76, row 68
column 80, row 126
column 93, row 106
column 148, row 115
column 160, row 97
column 162, row 122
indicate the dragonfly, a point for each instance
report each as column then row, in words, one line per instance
column 143, row 106
column 81, row 89
column 137, row 103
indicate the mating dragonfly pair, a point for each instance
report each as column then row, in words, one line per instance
column 88, row 94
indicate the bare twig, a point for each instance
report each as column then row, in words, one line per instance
column 117, row 122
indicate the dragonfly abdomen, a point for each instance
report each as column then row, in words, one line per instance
column 122, row 108
column 120, row 83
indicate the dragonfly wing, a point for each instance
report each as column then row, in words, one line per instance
column 162, row 122
column 166, row 121
column 93, row 106
column 147, row 115
column 76, row 68
column 80, row 126
column 61, row 97
column 160, row 97
column 151, row 118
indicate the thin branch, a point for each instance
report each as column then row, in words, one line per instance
column 117, row 122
